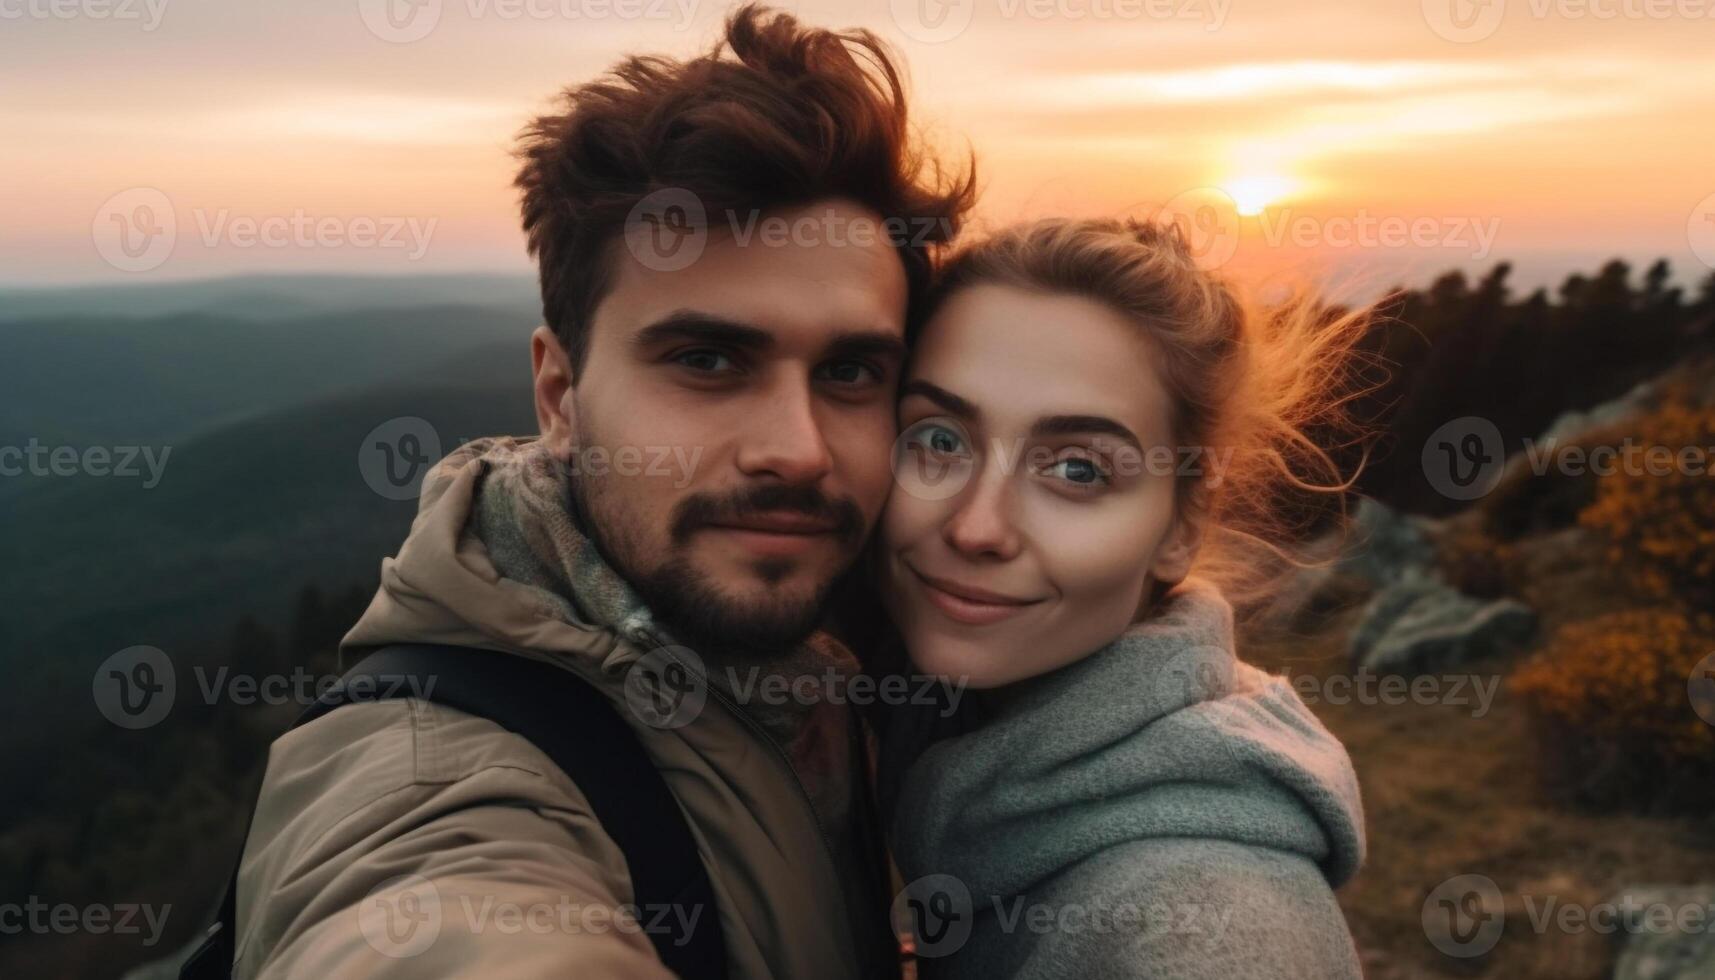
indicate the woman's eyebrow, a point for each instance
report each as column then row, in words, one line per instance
column 1066, row 425
column 1048, row 425
column 948, row 401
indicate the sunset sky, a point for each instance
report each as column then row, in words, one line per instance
column 1375, row 139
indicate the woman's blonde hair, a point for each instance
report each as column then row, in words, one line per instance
column 1264, row 388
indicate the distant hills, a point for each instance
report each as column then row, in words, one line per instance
column 260, row 297
column 260, row 420
column 90, row 378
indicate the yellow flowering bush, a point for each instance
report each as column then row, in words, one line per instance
column 1612, row 697
column 1612, row 702
column 1659, row 520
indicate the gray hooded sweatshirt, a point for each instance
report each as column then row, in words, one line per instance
column 1158, row 809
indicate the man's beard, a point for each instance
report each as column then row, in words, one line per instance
column 688, row 602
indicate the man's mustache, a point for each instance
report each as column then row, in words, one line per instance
column 705, row 509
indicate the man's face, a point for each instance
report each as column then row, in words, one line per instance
column 745, row 407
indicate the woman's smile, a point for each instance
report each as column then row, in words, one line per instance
column 969, row 604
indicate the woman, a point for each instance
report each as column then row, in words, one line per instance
column 1096, row 436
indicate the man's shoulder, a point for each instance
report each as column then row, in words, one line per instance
column 371, row 788
column 373, row 758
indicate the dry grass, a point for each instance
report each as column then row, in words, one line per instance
column 1449, row 793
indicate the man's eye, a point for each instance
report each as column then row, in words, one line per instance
column 852, row 372
column 703, row 360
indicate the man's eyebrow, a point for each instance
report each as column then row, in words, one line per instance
column 691, row 325
column 1066, row 425
column 947, row 400
column 874, row 343
column 706, row 328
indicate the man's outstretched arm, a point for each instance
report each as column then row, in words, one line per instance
column 408, row 839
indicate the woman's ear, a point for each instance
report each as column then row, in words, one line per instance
column 1178, row 550
column 551, row 369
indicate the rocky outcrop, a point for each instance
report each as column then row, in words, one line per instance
column 1672, row 937
column 1416, row 623
column 1421, row 625
column 1574, row 423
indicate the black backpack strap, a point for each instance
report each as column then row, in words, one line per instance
column 578, row 728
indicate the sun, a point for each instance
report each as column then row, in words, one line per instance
column 1254, row 192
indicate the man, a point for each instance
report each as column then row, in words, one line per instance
column 728, row 249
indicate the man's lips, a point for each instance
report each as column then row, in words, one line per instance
column 782, row 523
column 777, row 535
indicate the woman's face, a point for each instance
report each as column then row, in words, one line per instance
column 1034, row 503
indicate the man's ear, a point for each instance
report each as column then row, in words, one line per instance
column 1178, row 551
column 551, row 368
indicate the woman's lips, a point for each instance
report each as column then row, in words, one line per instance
column 966, row 609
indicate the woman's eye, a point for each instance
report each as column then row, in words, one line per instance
column 936, row 438
column 703, row 360
column 1080, row 471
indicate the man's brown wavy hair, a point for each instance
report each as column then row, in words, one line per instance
column 776, row 115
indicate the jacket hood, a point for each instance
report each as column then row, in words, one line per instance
column 1163, row 733
column 444, row 587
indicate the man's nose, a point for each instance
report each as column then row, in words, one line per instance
column 784, row 438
